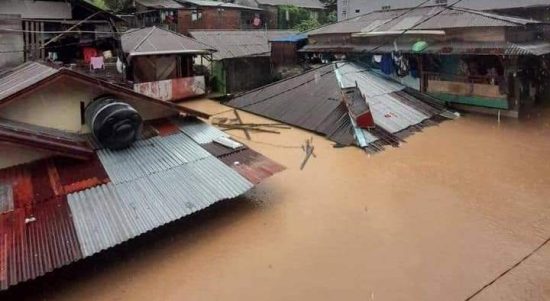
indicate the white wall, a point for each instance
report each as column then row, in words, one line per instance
column 351, row 8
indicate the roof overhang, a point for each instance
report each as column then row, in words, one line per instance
column 167, row 52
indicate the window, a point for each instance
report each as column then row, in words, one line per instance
column 386, row 7
column 357, row 11
column 196, row 15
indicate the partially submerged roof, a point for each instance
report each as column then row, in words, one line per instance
column 313, row 101
column 217, row 4
column 32, row 75
column 158, row 41
column 316, row 4
column 56, row 211
column 423, row 18
column 239, row 43
column 160, row 4
column 30, row 9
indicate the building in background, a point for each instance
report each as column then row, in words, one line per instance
column 160, row 63
column 467, row 58
column 163, row 13
column 536, row 9
column 214, row 15
column 276, row 10
column 243, row 58
column 63, row 33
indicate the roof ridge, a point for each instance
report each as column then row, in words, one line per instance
column 495, row 16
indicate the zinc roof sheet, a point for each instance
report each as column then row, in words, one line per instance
column 427, row 17
column 23, row 76
column 81, row 210
column 299, row 3
column 239, row 43
column 156, row 40
column 110, row 214
column 199, row 131
column 218, row 4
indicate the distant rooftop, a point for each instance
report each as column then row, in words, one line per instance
column 430, row 17
column 156, row 40
column 240, row 43
column 300, row 3
column 217, row 4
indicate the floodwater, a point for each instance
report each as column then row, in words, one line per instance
column 435, row 219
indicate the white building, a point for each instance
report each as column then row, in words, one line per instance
column 352, row 8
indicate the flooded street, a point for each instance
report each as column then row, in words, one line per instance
column 436, row 219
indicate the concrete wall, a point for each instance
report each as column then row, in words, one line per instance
column 11, row 155
column 351, row 8
column 11, row 43
column 57, row 105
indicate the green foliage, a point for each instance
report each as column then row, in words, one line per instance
column 307, row 24
column 98, row 3
column 117, row 5
column 291, row 16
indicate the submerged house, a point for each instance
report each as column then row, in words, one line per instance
column 160, row 63
column 86, row 165
column 243, row 58
column 66, row 33
column 347, row 104
column 470, row 59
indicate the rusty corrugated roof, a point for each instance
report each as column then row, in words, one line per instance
column 56, row 211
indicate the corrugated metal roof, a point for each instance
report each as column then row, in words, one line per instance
column 306, row 100
column 56, row 211
column 218, row 4
column 300, row 3
column 239, row 43
column 199, row 131
column 313, row 101
column 160, row 4
column 252, row 165
column 110, row 214
column 425, row 17
column 22, row 77
column 156, row 40
column 30, row 9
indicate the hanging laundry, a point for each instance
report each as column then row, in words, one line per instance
column 97, row 62
column 401, row 64
column 88, row 53
column 386, row 65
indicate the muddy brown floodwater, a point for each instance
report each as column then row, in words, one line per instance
column 436, row 219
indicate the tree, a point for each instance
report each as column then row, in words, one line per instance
column 118, row 5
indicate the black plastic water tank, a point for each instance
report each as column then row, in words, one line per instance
column 114, row 124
